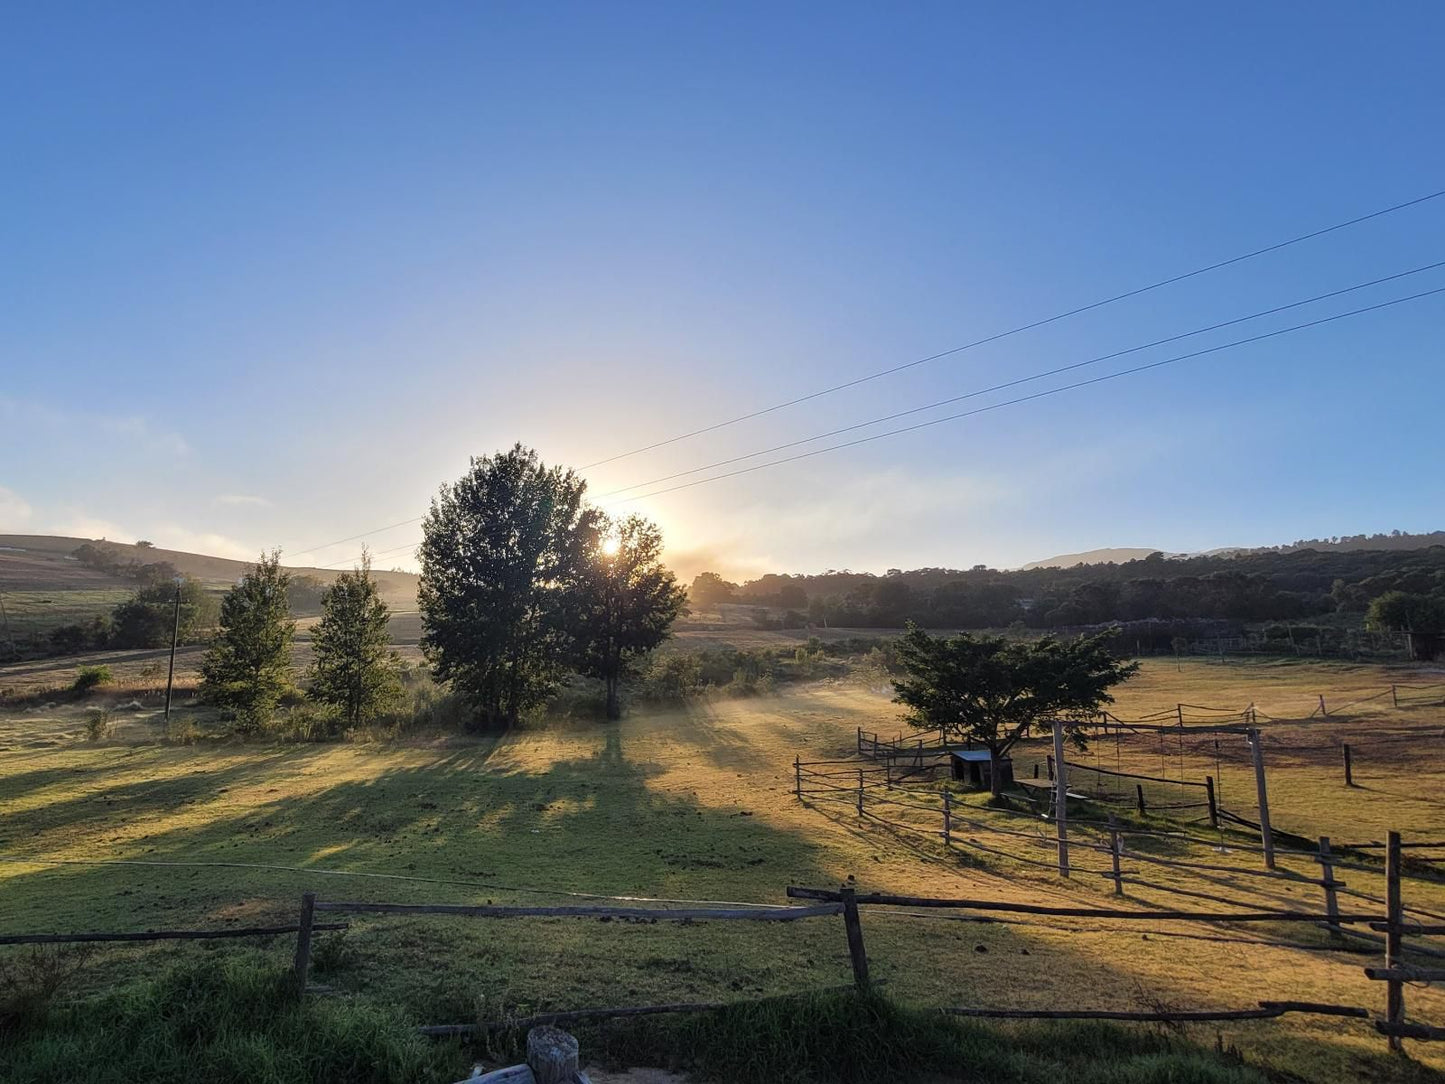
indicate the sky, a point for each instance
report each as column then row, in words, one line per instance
column 271, row 273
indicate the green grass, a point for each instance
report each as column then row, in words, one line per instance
column 692, row 802
column 231, row 1020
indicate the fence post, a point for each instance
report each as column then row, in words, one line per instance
column 860, row 792
column 854, row 930
column 1394, row 917
column 1114, row 855
column 1349, row 766
column 1327, row 876
column 1395, row 695
column 1213, row 805
column 860, row 741
column 1179, row 713
column 947, row 818
column 798, row 778
column 303, row 940
column 1324, row 712
column 1139, row 793
column 1266, row 835
column 1050, row 758
column 1061, row 798
column 888, row 774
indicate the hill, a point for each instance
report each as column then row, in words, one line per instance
column 1091, row 557
column 43, row 584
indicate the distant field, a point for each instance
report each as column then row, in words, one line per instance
column 692, row 803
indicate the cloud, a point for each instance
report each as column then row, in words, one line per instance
column 15, row 512
column 241, row 500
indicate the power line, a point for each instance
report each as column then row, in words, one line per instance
column 1038, row 395
column 1017, row 330
column 1025, row 379
column 354, row 537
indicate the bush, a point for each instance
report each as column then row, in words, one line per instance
column 91, row 677
column 31, row 978
column 97, row 724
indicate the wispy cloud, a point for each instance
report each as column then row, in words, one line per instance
column 241, row 500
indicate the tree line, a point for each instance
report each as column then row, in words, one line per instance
column 1273, row 585
column 522, row 583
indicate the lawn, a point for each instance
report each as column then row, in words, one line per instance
column 694, row 803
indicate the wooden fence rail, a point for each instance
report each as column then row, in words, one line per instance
column 157, row 935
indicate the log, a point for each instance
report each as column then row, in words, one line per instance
column 1401, row 973
column 552, row 1055
column 1410, row 1031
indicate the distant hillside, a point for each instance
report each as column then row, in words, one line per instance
column 1091, row 557
column 30, row 563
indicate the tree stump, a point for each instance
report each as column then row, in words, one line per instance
column 552, row 1055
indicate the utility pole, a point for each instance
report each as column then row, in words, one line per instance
column 1061, row 798
column 175, row 635
column 1266, row 835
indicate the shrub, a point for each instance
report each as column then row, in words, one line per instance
column 91, row 677
column 97, row 724
column 31, row 978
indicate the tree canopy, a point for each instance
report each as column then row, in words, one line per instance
column 995, row 691
column 502, row 554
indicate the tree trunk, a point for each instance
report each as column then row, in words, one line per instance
column 614, row 708
column 995, row 783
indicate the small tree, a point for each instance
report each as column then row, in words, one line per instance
column 147, row 618
column 355, row 669
column 628, row 601
column 248, row 665
column 1404, row 611
column 995, row 691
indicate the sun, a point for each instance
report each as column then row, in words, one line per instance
column 610, row 546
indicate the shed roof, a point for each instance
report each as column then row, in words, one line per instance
column 980, row 755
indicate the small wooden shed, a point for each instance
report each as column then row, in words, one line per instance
column 971, row 766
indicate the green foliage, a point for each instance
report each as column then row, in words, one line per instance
column 305, row 593
column 355, row 670
column 995, row 691
column 234, row 1020
column 148, row 618
column 90, row 677
column 627, row 602
column 247, row 668
column 501, row 557
column 1411, row 612
column 79, row 637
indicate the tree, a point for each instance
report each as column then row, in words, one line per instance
column 355, row 668
column 248, row 665
column 710, row 589
column 995, row 691
column 148, row 617
column 1406, row 611
column 629, row 600
column 502, row 553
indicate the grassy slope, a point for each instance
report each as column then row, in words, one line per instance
column 690, row 803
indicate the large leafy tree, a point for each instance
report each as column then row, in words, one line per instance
column 502, row 556
column 248, row 665
column 995, row 691
column 355, row 669
column 628, row 602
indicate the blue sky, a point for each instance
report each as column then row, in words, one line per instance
column 273, row 272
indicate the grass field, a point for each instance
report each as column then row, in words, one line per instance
column 689, row 803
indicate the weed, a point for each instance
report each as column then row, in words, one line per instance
column 31, row 979
column 88, row 678
column 98, row 724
